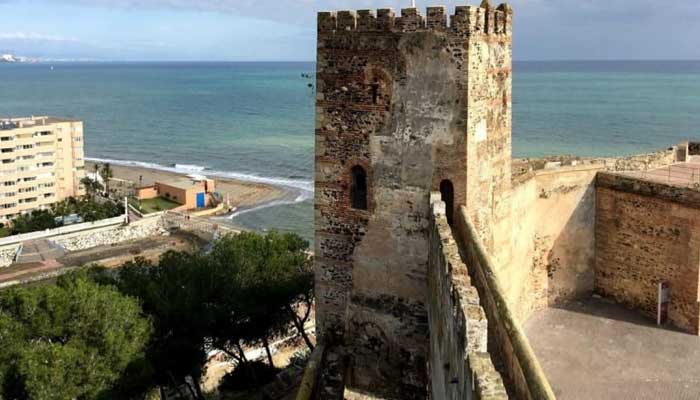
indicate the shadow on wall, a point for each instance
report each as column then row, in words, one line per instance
column 570, row 263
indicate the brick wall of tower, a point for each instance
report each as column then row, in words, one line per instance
column 395, row 96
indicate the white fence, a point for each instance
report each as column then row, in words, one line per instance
column 64, row 230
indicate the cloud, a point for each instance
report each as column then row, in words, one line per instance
column 544, row 29
column 304, row 11
column 33, row 36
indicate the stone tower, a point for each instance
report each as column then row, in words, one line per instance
column 405, row 106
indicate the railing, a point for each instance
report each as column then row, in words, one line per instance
column 681, row 174
column 185, row 222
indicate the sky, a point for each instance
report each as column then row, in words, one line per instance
column 284, row 30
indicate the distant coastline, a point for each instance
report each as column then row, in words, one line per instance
column 245, row 192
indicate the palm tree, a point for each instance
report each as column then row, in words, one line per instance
column 92, row 186
column 106, row 173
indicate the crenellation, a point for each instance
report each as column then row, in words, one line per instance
column 490, row 21
column 500, row 22
column 466, row 21
column 411, row 20
column 327, row 21
column 347, row 20
column 507, row 11
column 366, row 21
column 436, row 18
column 386, row 19
column 395, row 105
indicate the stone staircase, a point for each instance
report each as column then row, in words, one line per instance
column 39, row 251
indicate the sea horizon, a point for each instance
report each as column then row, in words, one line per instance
column 255, row 120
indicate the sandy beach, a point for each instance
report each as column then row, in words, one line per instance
column 240, row 194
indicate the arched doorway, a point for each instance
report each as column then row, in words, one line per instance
column 448, row 196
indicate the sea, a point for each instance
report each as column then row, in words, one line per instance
column 255, row 121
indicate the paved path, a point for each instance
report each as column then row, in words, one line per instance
column 598, row 350
column 37, row 251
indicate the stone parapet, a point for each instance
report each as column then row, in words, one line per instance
column 507, row 342
column 620, row 182
column 460, row 366
column 465, row 20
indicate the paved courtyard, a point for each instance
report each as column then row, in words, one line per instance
column 598, row 350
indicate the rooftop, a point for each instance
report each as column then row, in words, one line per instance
column 180, row 183
column 15, row 123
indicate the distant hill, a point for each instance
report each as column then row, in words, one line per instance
column 10, row 58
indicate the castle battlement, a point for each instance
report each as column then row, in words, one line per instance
column 467, row 20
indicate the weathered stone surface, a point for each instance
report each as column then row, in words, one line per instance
column 114, row 235
column 460, row 367
column 414, row 102
column 647, row 233
column 7, row 256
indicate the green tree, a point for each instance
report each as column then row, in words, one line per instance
column 72, row 340
column 249, row 289
column 106, row 173
column 273, row 277
column 92, row 187
column 173, row 294
column 38, row 220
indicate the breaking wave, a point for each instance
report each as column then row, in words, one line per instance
column 299, row 190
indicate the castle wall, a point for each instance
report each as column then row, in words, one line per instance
column 489, row 127
column 507, row 342
column 393, row 96
column 647, row 233
column 545, row 250
column 460, row 366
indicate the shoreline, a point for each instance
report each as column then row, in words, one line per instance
column 243, row 195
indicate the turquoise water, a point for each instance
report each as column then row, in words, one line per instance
column 254, row 121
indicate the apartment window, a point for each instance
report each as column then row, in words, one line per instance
column 27, row 146
column 30, row 157
column 29, row 200
column 30, row 179
column 8, row 205
column 7, row 138
column 8, row 183
column 79, row 139
column 10, row 150
column 27, row 190
column 8, row 161
column 47, row 185
column 46, row 164
column 46, row 133
column 8, row 194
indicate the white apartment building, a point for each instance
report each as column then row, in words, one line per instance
column 41, row 163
